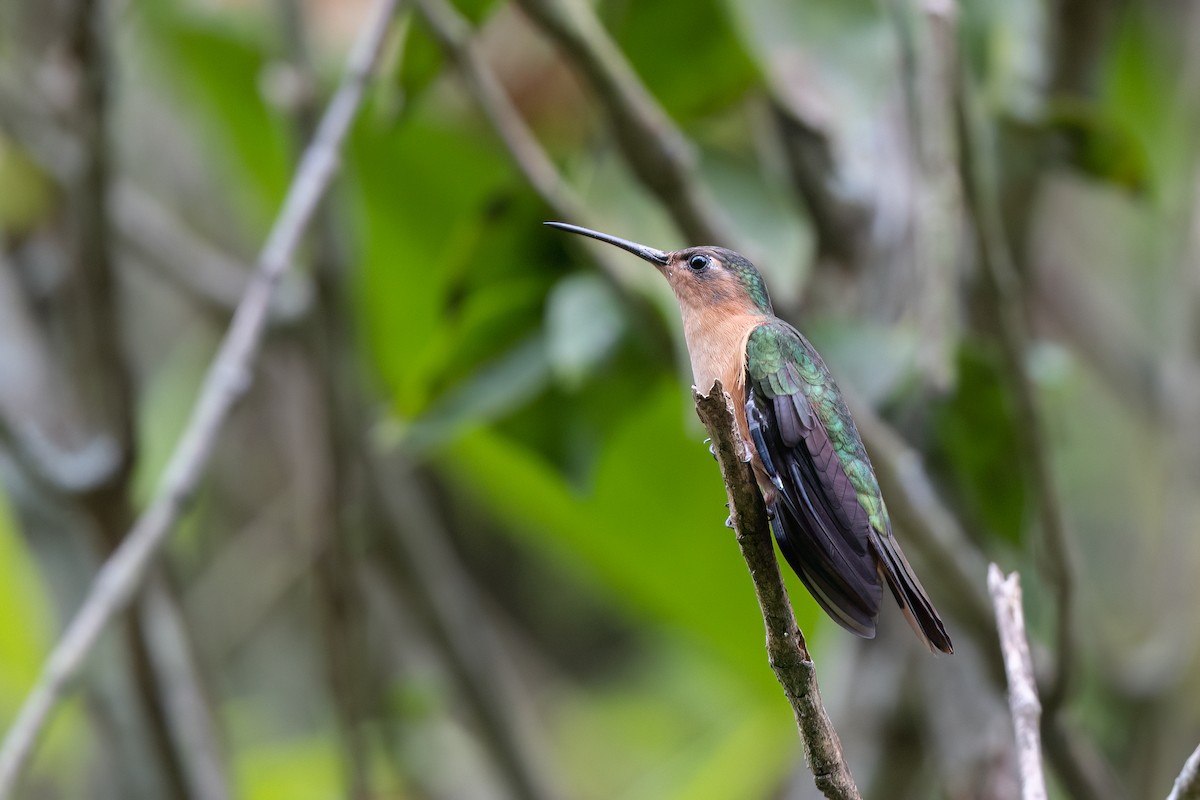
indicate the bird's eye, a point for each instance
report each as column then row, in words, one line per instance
column 698, row 263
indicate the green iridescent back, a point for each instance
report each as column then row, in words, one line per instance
column 780, row 361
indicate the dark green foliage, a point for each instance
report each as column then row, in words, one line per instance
column 691, row 59
column 976, row 433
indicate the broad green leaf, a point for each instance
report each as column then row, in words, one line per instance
column 423, row 235
column 493, row 391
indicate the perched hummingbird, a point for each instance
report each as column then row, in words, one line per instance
column 825, row 505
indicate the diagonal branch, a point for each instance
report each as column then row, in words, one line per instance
column 455, row 36
column 661, row 156
column 1187, row 785
column 786, row 649
column 227, row 380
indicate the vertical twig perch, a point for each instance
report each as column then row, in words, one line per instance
column 786, row 649
column 1022, row 688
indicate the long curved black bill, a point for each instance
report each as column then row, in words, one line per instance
column 648, row 253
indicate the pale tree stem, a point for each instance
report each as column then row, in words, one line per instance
column 1022, row 687
column 1187, row 785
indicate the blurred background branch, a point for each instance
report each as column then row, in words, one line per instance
column 427, row 557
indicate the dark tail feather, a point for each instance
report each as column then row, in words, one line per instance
column 851, row 600
column 910, row 594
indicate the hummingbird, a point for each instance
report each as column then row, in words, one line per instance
column 826, row 509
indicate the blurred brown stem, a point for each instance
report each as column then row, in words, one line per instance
column 786, row 648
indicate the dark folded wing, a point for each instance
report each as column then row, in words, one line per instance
column 828, row 515
column 821, row 527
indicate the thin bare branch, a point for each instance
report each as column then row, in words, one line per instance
column 786, row 649
column 1187, row 785
column 1023, row 700
column 453, row 32
column 661, row 156
column 228, row 379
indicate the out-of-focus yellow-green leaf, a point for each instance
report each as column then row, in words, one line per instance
column 26, row 193
column 26, row 627
column 298, row 769
column 646, row 737
column 26, row 623
column 1102, row 146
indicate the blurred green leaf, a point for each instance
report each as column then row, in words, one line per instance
column 493, row 391
column 1102, row 146
column 220, row 68
column 688, row 54
column 422, row 60
column 24, row 629
column 421, row 233
column 1142, row 127
column 646, row 737
column 26, row 193
column 302, row 769
column 976, row 432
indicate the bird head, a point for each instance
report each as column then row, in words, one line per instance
column 703, row 278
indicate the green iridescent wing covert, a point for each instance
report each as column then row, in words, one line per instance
column 827, row 512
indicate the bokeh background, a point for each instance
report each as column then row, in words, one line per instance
column 463, row 538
